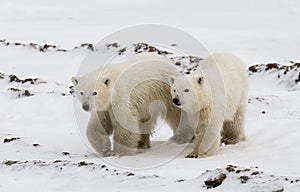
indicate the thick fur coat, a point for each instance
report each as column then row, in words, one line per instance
column 214, row 97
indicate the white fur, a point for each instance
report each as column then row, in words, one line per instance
column 99, row 127
column 134, row 93
column 217, row 102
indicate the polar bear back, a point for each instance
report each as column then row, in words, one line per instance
column 151, row 62
column 138, row 83
column 141, row 67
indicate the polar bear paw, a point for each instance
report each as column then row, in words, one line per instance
column 124, row 151
column 107, row 154
column 182, row 138
column 231, row 141
column 196, row 155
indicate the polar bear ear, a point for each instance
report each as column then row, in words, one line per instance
column 200, row 80
column 171, row 80
column 75, row 80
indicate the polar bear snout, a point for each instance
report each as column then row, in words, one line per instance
column 176, row 101
column 86, row 107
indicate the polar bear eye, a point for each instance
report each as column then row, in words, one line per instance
column 174, row 90
column 81, row 92
column 106, row 82
column 94, row 93
column 186, row 90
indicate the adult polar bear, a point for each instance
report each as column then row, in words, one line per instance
column 214, row 96
column 128, row 98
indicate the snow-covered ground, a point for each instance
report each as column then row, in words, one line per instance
column 50, row 152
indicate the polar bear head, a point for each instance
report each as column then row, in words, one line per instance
column 190, row 92
column 93, row 91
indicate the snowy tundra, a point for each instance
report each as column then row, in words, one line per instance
column 43, row 146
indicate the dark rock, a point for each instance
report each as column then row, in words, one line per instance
column 270, row 66
column 298, row 79
column 279, row 190
column 61, row 50
column 21, row 92
column 230, row 168
column 89, row 46
column 65, row 153
column 178, row 63
column 253, row 68
column 2, row 76
column 83, row 163
column 130, row 174
column 71, row 90
column 18, row 44
column 244, row 179
column 255, row 173
column 212, row 183
column 13, row 78
column 112, row 45
column 10, row 162
column 121, row 51
column 6, row 140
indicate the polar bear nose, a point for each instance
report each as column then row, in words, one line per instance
column 176, row 101
column 86, row 107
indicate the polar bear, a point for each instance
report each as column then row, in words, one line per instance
column 134, row 94
column 99, row 127
column 214, row 96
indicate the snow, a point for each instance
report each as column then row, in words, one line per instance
column 259, row 32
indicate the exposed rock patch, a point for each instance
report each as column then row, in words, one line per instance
column 8, row 140
column 250, row 179
column 20, row 92
column 288, row 75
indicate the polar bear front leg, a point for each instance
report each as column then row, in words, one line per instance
column 185, row 131
column 97, row 135
column 125, row 141
column 207, row 141
column 183, row 134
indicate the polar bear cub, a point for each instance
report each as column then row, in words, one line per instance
column 214, row 97
column 99, row 127
column 129, row 97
